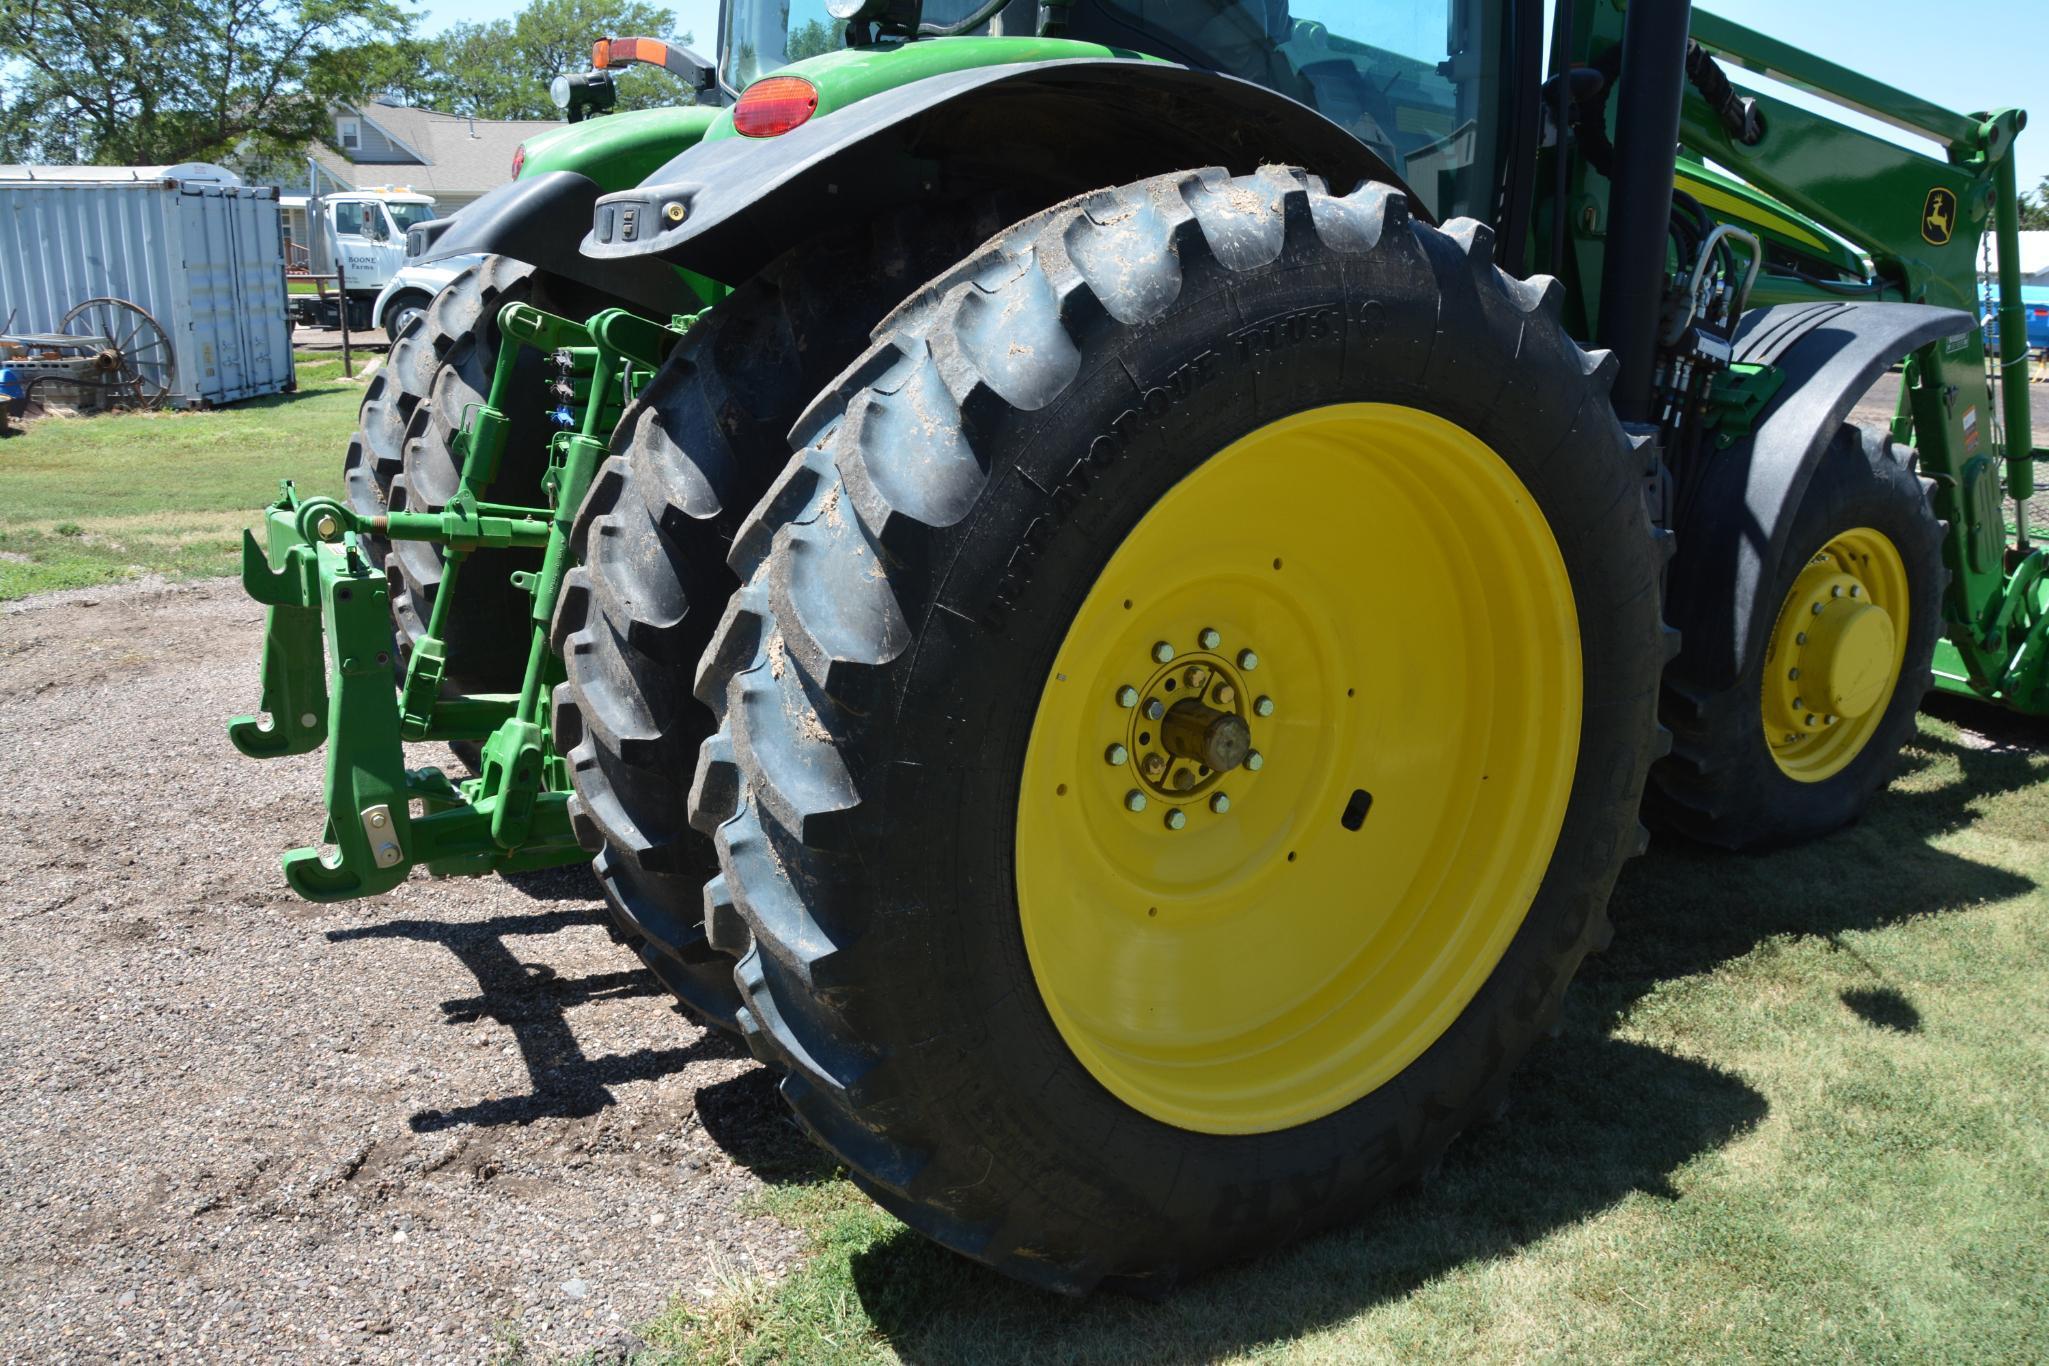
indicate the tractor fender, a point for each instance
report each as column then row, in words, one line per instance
column 537, row 220
column 1054, row 129
column 1733, row 536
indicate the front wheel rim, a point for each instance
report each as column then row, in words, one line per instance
column 1837, row 649
column 1372, row 594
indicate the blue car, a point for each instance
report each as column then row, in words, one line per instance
column 2035, row 305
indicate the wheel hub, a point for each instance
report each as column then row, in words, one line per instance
column 1835, row 655
column 1189, row 728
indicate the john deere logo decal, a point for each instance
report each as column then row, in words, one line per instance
column 1939, row 217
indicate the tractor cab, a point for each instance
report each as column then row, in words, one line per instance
column 1420, row 82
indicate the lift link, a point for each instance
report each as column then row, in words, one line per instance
column 328, row 646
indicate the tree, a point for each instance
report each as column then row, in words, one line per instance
column 814, row 38
column 145, row 82
column 2035, row 207
column 501, row 70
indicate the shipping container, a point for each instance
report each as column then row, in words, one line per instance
column 201, row 251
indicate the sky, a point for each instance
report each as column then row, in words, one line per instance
column 1966, row 55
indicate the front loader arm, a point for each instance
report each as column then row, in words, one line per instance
column 1922, row 222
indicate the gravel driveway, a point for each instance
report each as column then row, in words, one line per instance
column 233, row 1124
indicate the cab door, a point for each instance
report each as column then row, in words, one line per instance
column 365, row 242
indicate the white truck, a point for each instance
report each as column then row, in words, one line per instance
column 406, row 295
column 363, row 233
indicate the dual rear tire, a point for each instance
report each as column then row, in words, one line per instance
column 1091, row 968
column 1287, row 405
column 403, row 458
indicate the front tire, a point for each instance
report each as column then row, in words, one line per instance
column 1812, row 726
column 402, row 311
column 923, row 949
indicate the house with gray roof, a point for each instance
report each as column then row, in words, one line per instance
column 378, row 146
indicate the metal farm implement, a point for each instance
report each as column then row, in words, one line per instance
column 328, row 663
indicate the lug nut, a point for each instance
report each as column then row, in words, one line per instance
column 1183, row 780
column 1134, row 800
column 1800, row 639
column 1155, row 766
column 1176, row 819
column 1225, row 695
column 1835, row 590
column 1793, row 675
column 1155, row 709
column 1220, row 803
column 1816, row 609
column 1115, row 755
column 1247, row 660
column 1263, row 707
column 1855, row 591
column 1812, row 720
column 1798, row 705
column 1209, row 639
column 1197, row 678
column 1255, row 761
column 1828, row 720
column 1163, row 653
column 1127, row 696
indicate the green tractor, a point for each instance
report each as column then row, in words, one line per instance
column 1110, row 583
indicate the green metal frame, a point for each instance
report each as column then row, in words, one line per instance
column 327, row 652
column 1874, row 193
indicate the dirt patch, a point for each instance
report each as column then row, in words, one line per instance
column 416, row 1127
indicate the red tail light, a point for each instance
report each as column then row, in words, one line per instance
column 774, row 105
column 518, row 159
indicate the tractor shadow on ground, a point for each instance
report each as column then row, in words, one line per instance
column 1594, row 1118
column 531, row 1001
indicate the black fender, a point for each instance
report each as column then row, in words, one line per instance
column 1046, row 129
column 1732, row 541
column 540, row 220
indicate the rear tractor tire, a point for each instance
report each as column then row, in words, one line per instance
column 403, row 459
column 1843, row 633
column 1188, row 706
column 690, row 457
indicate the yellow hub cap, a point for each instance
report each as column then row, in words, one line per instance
column 1298, row 769
column 1835, row 655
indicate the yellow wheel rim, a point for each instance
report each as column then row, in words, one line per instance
column 1376, row 599
column 1835, row 655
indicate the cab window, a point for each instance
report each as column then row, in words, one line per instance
column 355, row 218
column 405, row 212
column 1418, row 81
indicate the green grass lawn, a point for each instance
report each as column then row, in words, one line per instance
column 1800, row 1111
column 92, row 500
